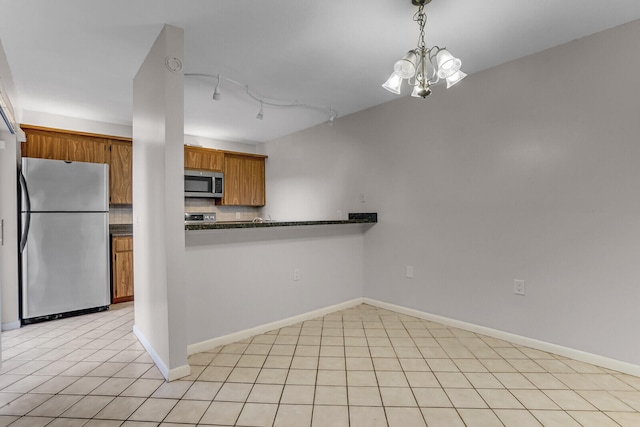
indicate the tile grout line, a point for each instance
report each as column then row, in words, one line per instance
column 529, row 367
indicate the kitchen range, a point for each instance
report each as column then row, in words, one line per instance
column 199, row 218
column 64, row 241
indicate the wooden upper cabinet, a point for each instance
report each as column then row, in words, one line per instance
column 87, row 151
column 214, row 161
column 203, row 159
column 244, row 180
column 244, row 174
column 191, row 158
column 120, row 173
column 45, row 146
column 61, row 145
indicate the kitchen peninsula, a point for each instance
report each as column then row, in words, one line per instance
column 354, row 218
column 241, row 278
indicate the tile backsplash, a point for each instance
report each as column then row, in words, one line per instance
column 124, row 214
column 120, row 215
column 223, row 213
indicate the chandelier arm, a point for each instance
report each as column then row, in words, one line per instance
column 434, row 79
column 436, row 48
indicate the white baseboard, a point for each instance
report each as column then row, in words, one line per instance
column 594, row 359
column 177, row 373
column 582, row 356
column 11, row 325
column 247, row 333
column 168, row 374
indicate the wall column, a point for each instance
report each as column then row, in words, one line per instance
column 158, row 204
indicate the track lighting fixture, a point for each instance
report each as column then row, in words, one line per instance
column 271, row 102
column 260, row 115
column 422, row 67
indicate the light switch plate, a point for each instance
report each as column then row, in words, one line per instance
column 409, row 271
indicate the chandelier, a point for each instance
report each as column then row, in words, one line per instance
column 423, row 66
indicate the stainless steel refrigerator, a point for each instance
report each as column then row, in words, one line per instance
column 64, row 242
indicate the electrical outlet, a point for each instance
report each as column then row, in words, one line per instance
column 363, row 199
column 296, row 274
column 409, row 271
column 518, row 287
column 237, row 215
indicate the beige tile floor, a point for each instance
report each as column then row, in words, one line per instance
column 359, row 367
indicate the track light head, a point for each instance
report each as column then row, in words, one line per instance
column 216, row 92
column 260, row 114
column 332, row 116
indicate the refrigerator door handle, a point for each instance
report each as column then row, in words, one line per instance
column 27, row 222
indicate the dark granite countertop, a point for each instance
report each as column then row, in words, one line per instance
column 121, row 229
column 354, row 218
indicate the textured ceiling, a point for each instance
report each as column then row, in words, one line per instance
column 78, row 57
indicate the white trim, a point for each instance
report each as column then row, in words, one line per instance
column 169, row 375
column 594, row 359
column 179, row 372
column 9, row 326
column 247, row 333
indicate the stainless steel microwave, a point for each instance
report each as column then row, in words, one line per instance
column 203, row 184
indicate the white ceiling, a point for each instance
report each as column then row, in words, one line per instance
column 78, row 57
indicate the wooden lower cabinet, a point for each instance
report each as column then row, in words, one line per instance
column 122, row 269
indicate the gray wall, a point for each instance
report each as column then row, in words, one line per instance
column 525, row 171
column 8, row 208
column 158, row 197
column 9, row 246
column 240, row 279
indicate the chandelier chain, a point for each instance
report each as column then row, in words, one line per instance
column 421, row 18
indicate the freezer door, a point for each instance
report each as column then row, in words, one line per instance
column 58, row 186
column 65, row 264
